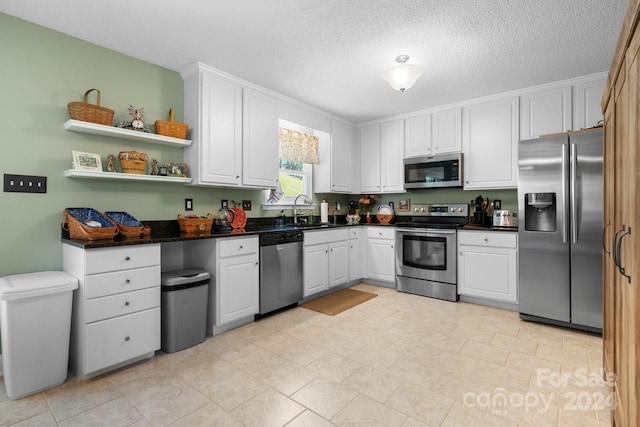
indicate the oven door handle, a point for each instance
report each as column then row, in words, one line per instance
column 424, row 232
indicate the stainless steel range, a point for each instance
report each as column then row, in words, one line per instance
column 426, row 250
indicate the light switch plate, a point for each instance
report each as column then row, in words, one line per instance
column 188, row 204
column 25, row 184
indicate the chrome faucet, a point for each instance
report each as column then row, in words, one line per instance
column 295, row 207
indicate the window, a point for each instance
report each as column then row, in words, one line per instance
column 298, row 149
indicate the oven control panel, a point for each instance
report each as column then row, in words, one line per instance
column 453, row 209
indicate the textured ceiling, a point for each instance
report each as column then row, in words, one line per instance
column 332, row 53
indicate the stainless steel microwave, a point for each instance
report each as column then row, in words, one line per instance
column 444, row 170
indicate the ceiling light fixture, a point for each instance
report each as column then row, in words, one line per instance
column 403, row 76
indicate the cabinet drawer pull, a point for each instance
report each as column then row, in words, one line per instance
column 127, row 303
column 127, row 259
column 127, row 338
column 241, row 247
column 127, row 281
column 486, row 240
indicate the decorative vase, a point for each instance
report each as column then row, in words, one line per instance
column 368, row 217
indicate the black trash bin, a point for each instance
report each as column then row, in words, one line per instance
column 184, row 308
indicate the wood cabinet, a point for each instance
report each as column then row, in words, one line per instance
column 234, row 131
column 488, row 265
column 116, row 308
column 382, row 151
column 621, row 260
column 381, row 255
column 334, row 172
column 326, row 260
column 490, row 144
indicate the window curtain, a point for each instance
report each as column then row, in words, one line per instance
column 298, row 146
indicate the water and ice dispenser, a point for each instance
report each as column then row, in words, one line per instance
column 540, row 211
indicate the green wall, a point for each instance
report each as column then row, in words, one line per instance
column 40, row 72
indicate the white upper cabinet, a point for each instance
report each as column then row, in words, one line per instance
column 234, row 131
column 587, row 111
column 546, row 111
column 382, row 151
column 391, row 146
column 370, row 159
column 260, row 140
column 447, row 131
column 334, row 172
column 213, row 108
column 490, row 144
column 417, row 136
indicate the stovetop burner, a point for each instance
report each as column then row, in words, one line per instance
column 438, row 216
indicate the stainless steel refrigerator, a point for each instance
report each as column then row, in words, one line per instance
column 560, row 192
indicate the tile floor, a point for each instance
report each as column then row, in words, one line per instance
column 396, row 360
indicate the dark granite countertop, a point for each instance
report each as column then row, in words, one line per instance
column 169, row 231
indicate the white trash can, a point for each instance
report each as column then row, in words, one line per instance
column 35, row 326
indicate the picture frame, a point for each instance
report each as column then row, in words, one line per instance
column 404, row 205
column 86, row 161
column 163, row 171
column 177, row 169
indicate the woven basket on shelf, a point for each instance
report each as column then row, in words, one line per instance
column 195, row 225
column 170, row 128
column 133, row 162
column 127, row 225
column 89, row 112
column 75, row 224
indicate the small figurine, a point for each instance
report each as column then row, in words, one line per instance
column 136, row 121
column 111, row 163
column 155, row 170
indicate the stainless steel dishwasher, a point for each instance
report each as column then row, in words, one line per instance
column 281, row 273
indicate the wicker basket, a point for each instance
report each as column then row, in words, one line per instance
column 75, row 224
column 170, row 128
column 127, row 225
column 133, row 162
column 195, row 225
column 90, row 113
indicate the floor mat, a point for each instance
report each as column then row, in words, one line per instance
column 338, row 301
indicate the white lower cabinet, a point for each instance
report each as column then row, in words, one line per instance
column 488, row 265
column 116, row 308
column 234, row 291
column 326, row 260
column 381, row 255
column 356, row 260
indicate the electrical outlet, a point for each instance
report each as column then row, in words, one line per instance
column 224, row 204
column 246, row 205
column 392, row 206
column 188, row 204
column 25, row 184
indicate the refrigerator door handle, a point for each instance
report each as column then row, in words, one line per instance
column 604, row 233
column 620, row 267
column 564, row 193
column 572, row 192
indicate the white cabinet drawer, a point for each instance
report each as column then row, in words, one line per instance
column 236, row 247
column 100, row 285
column 121, row 258
column 381, row 232
column 497, row 239
column 116, row 340
column 121, row 304
column 325, row 236
column 354, row 233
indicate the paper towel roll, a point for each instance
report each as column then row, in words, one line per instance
column 324, row 212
